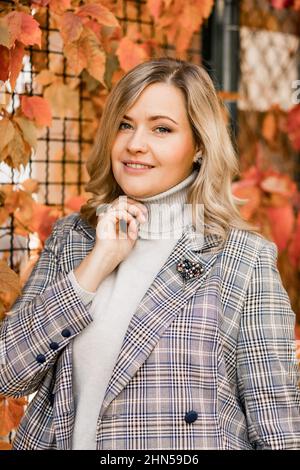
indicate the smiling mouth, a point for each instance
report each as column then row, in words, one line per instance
column 136, row 166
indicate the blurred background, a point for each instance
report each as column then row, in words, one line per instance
column 56, row 70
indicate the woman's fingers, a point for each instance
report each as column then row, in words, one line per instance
column 116, row 217
column 131, row 204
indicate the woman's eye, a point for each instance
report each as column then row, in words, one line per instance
column 126, row 124
column 165, row 129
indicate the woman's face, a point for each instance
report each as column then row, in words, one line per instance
column 166, row 143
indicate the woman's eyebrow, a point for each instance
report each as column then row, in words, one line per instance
column 151, row 118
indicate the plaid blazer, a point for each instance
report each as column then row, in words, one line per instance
column 206, row 363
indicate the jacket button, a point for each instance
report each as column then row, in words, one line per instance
column 54, row 345
column 191, row 416
column 66, row 333
column 40, row 358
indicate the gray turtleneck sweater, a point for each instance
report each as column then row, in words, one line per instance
column 96, row 349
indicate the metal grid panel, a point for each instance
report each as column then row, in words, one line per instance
column 59, row 162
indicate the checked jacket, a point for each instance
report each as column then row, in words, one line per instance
column 206, row 363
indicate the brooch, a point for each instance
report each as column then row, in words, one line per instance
column 188, row 269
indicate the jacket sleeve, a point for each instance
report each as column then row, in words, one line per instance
column 267, row 367
column 43, row 320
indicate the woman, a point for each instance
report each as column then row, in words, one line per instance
column 140, row 327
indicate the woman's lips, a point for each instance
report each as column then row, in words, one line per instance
column 132, row 170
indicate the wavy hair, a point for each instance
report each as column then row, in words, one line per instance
column 213, row 185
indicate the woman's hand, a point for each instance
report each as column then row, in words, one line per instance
column 117, row 228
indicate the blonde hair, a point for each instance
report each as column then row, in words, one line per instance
column 212, row 187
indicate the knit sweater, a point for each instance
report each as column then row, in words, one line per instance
column 96, row 349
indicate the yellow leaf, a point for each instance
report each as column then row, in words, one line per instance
column 9, row 285
column 17, row 151
column 62, row 99
column 76, row 56
column 45, row 77
column 28, row 129
column 5, row 37
column 96, row 57
column 30, row 185
column 7, row 132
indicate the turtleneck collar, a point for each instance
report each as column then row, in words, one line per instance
column 168, row 212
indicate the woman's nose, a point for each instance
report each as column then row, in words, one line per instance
column 137, row 141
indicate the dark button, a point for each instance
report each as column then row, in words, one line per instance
column 40, row 358
column 66, row 333
column 51, row 398
column 54, row 345
column 191, row 416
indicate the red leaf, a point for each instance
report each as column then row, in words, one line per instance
column 294, row 246
column 293, row 126
column 16, row 61
column 280, row 4
column 37, row 108
column 4, row 63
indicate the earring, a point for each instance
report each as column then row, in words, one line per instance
column 198, row 157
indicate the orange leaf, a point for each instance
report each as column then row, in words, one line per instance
column 282, row 221
column 96, row 57
column 75, row 202
column 155, row 8
column 269, row 127
column 59, row 6
column 228, row 95
column 129, row 54
column 275, row 182
column 37, row 108
column 247, row 190
column 30, row 185
column 100, row 13
column 24, row 28
column 5, row 445
column 11, row 413
column 71, row 27
column 43, row 221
